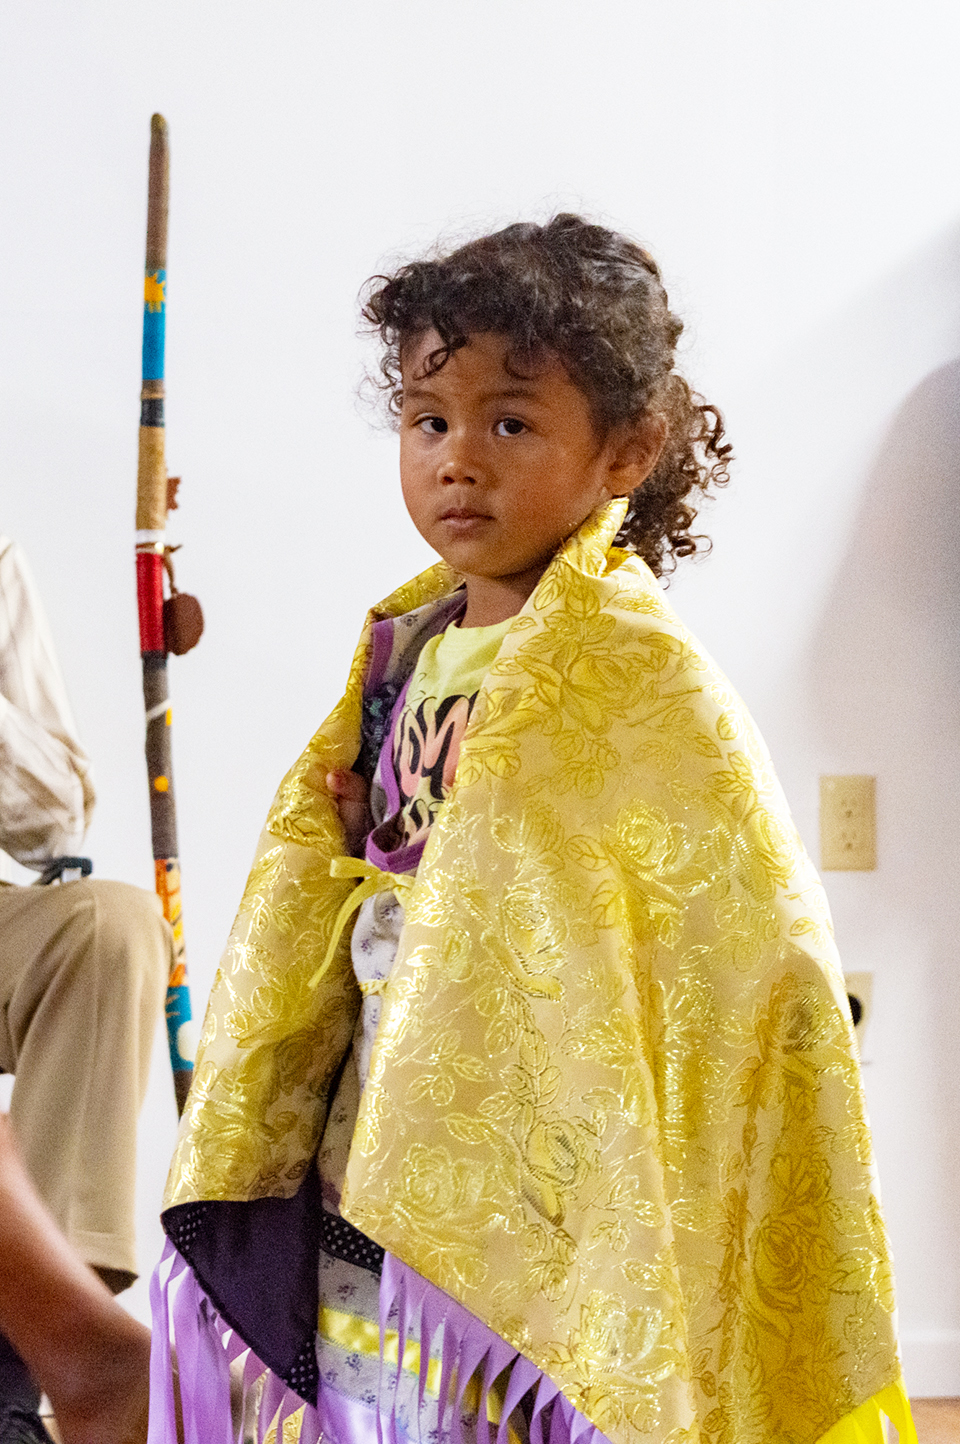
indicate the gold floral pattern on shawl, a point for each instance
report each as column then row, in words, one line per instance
column 613, row 1106
column 270, row 1045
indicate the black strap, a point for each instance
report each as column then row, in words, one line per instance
column 57, row 866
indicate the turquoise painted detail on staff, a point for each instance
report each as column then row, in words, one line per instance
column 178, row 1011
column 154, row 324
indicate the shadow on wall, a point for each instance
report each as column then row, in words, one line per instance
column 885, row 689
column 886, row 669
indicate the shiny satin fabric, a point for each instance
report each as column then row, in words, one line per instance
column 614, row 1106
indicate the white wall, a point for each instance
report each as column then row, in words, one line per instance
column 795, row 168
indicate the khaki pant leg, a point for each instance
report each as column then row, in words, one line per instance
column 83, row 967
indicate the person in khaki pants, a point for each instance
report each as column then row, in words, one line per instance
column 83, row 967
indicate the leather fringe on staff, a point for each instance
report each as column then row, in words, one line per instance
column 173, row 625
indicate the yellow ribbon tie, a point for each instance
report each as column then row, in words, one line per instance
column 373, row 880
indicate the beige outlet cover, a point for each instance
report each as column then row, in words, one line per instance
column 848, row 823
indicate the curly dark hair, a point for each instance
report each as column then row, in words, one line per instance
column 596, row 300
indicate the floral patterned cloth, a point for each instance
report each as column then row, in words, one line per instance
column 354, row 1296
column 357, row 1358
column 613, row 1107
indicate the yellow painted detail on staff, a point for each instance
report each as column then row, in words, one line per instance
column 161, row 783
column 153, row 289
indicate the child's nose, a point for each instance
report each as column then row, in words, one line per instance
column 458, row 462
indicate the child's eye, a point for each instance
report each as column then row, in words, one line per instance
column 432, row 425
column 510, row 426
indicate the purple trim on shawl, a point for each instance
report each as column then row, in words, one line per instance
column 468, row 1345
column 384, row 633
column 206, row 1347
column 403, row 859
column 385, row 768
column 399, row 859
column 380, row 655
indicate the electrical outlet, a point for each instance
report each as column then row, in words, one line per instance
column 848, row 824
column 859, row 988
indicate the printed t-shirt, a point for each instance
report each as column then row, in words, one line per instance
column 425, row 742
column 413, row 776
column 434, row 717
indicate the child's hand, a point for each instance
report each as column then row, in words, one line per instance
column 353, row 804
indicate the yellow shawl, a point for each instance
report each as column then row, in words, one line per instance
column 614, row 1105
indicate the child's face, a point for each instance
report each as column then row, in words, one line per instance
column 498, row 470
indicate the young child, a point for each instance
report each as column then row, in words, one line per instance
column 528, row 1097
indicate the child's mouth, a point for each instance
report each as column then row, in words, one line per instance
column 462, row 519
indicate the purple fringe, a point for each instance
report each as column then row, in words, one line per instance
column 206, row 1347
column 468, row 1346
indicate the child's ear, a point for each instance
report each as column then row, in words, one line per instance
column 634, row 454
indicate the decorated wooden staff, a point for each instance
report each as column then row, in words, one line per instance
column 173, row 625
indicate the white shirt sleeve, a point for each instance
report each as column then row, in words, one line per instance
column 46, row 792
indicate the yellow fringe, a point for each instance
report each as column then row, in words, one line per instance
column 865, row 1425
